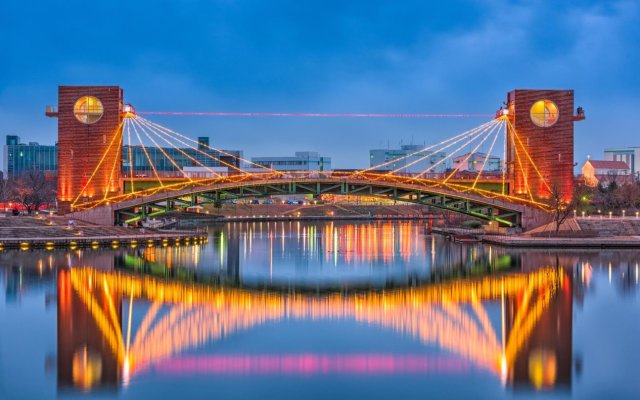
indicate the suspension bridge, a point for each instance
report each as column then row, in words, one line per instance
column 102, row 140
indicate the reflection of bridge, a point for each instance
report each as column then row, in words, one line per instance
column 106, row 183
column 450, row 315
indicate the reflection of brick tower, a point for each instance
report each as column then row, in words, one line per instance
column 85, row 359
column 89, row 139
column 543, row 120
column 545, row 359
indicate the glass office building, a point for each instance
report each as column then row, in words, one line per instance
column 20, row 157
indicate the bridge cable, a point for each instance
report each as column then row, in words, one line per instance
column 116, row 160
column 486, row 158
column 154, row 132
column 505, row 163
column 469, row 154
column 519, row 161
column 163, row 131
column 475, row 137
column 171, row 160
column 465, row 133
column 144, row 149
column 472, row 136
column 524, row 149
column 133, row 190
column 102, row 158
column 312, row 115
column 209, row 147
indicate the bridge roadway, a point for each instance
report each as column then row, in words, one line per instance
column 455, row 197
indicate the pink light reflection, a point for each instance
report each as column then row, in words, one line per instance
column 311, row 364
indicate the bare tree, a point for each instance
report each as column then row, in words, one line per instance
column 6, row 190
column 32, row 190
column 561, row 205
column 627, row 196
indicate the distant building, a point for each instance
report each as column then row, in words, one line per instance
column 408, row 159
column 603, row 172
column 476, row 162
column 172, row 161
column 20, row 157
column 208, row 172
column 168, row 161
column 203, row 142
column 630, row 155
column 302, row 161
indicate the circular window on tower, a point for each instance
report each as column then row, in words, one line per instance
column 88, row 109
column 544, row 113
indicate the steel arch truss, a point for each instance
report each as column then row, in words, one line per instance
column 503, row 213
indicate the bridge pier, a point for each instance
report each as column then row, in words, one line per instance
column 532, row 218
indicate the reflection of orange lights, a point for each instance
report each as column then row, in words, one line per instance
column 86, row 367
column 206, row 313
column 543, row 366
column 371, row 242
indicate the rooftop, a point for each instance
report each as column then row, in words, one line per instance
column 605, row 164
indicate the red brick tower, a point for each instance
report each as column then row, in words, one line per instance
column 543, row 122
column 89, row 142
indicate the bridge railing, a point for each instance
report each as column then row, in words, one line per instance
column 453, row 187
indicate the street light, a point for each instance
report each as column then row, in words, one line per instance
column 624, row 212
column 610, row 214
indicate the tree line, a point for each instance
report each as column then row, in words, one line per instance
column 30, row 189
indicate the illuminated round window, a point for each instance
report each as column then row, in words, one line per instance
column 88, row 110
column 544, row 113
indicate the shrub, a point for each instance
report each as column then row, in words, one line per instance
column 472, row 224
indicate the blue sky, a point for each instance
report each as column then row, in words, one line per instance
column 324, row 56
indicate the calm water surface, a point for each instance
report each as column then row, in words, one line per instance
column 320, row 310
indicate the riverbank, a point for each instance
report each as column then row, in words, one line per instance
column 49, row 232
column 574, row 233
column 610, row 242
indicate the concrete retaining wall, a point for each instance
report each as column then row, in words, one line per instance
column 99, row 216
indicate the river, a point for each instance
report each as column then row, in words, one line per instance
column 320, row 310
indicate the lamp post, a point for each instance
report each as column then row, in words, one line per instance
column 624, row 212
column 610, row 214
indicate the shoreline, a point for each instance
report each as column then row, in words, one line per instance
column 112, row 241
column 605, row 242
column 40, row 233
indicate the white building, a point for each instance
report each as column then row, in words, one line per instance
column 409, row 159
column 630, row 155
column 475, row 162
column 596, row 172
column 302, row 161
